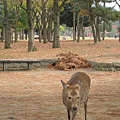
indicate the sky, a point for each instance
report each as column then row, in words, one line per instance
column 113, row 4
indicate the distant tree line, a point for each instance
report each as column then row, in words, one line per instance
column 45, row 16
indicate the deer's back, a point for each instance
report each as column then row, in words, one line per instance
column 79, row 78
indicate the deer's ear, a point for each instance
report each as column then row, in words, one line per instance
column 63, row 83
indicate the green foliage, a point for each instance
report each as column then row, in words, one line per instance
column 62, row 28
column 11, row 16
column 66, row 16
column 1, row 16
column 22, row 20
column 113, row 15
column 108, row 12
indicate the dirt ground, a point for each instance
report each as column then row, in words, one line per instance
column 105, row 51
column 36, row 94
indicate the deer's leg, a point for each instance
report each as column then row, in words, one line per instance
column 85, row 108
column 68, row 111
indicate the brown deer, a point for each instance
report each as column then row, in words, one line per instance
column 75, row 92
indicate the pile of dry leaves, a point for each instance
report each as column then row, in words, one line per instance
column 68, row 61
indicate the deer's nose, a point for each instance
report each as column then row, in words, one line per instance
column 74, row 108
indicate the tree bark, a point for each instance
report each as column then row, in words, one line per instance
column 16, row 33
column 93, row 25
column 6, row 26
column 23, row 31
column 97, row 24
column 26, row 33
column 20, row 34
column 44, row 22
column 103, row 30
column 103, row 26
column 56, row 39
column 3, row 34
column 83, row 33
column 16, row 21
column 78, row 28
column 40, row 35
column 98, row 29
column 31, row 46
column 50, row 25
column 93, row 30
column 74, row 29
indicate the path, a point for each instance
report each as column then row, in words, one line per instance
column 36, row 95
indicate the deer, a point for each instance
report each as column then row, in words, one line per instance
column 75, row 92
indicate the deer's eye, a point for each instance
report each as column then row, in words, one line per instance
column 77, row 97
column 69, row 97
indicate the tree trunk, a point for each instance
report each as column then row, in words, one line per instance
column 119, row 36
column 44, row 22
column 16, row 21
column 16, row 33
column 31, row 46
column 11, row 34
column 22, row 34
column 119, row 31
column 119, row 26
column 93, row 30
column 74, row 27
column 40, row 35
column 3, row 34
column 6, row 26
column 49, row 25
column 78, row 28
column 103, row 30
column 93, row 25
column 97, row 24
column 39, row 27
column 26, row 33
column 56, row 39
column 83, row 32
column 97, row 29
column 103, row 26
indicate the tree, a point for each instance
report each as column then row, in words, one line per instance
column 16, row 13
column 104, row 21
column 92, row 23
column 1, row 21
column 30, row 19
column 22, row 20
column 44, row 20
column 75, row 15
column 6, row 26
column 31, row 46
column 49, row 18
column 56, row 15
column 56, row 41
column 119, row 18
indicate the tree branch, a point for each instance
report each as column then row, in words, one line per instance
column 21, row 2
column 62, row 4
column 117, row 3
